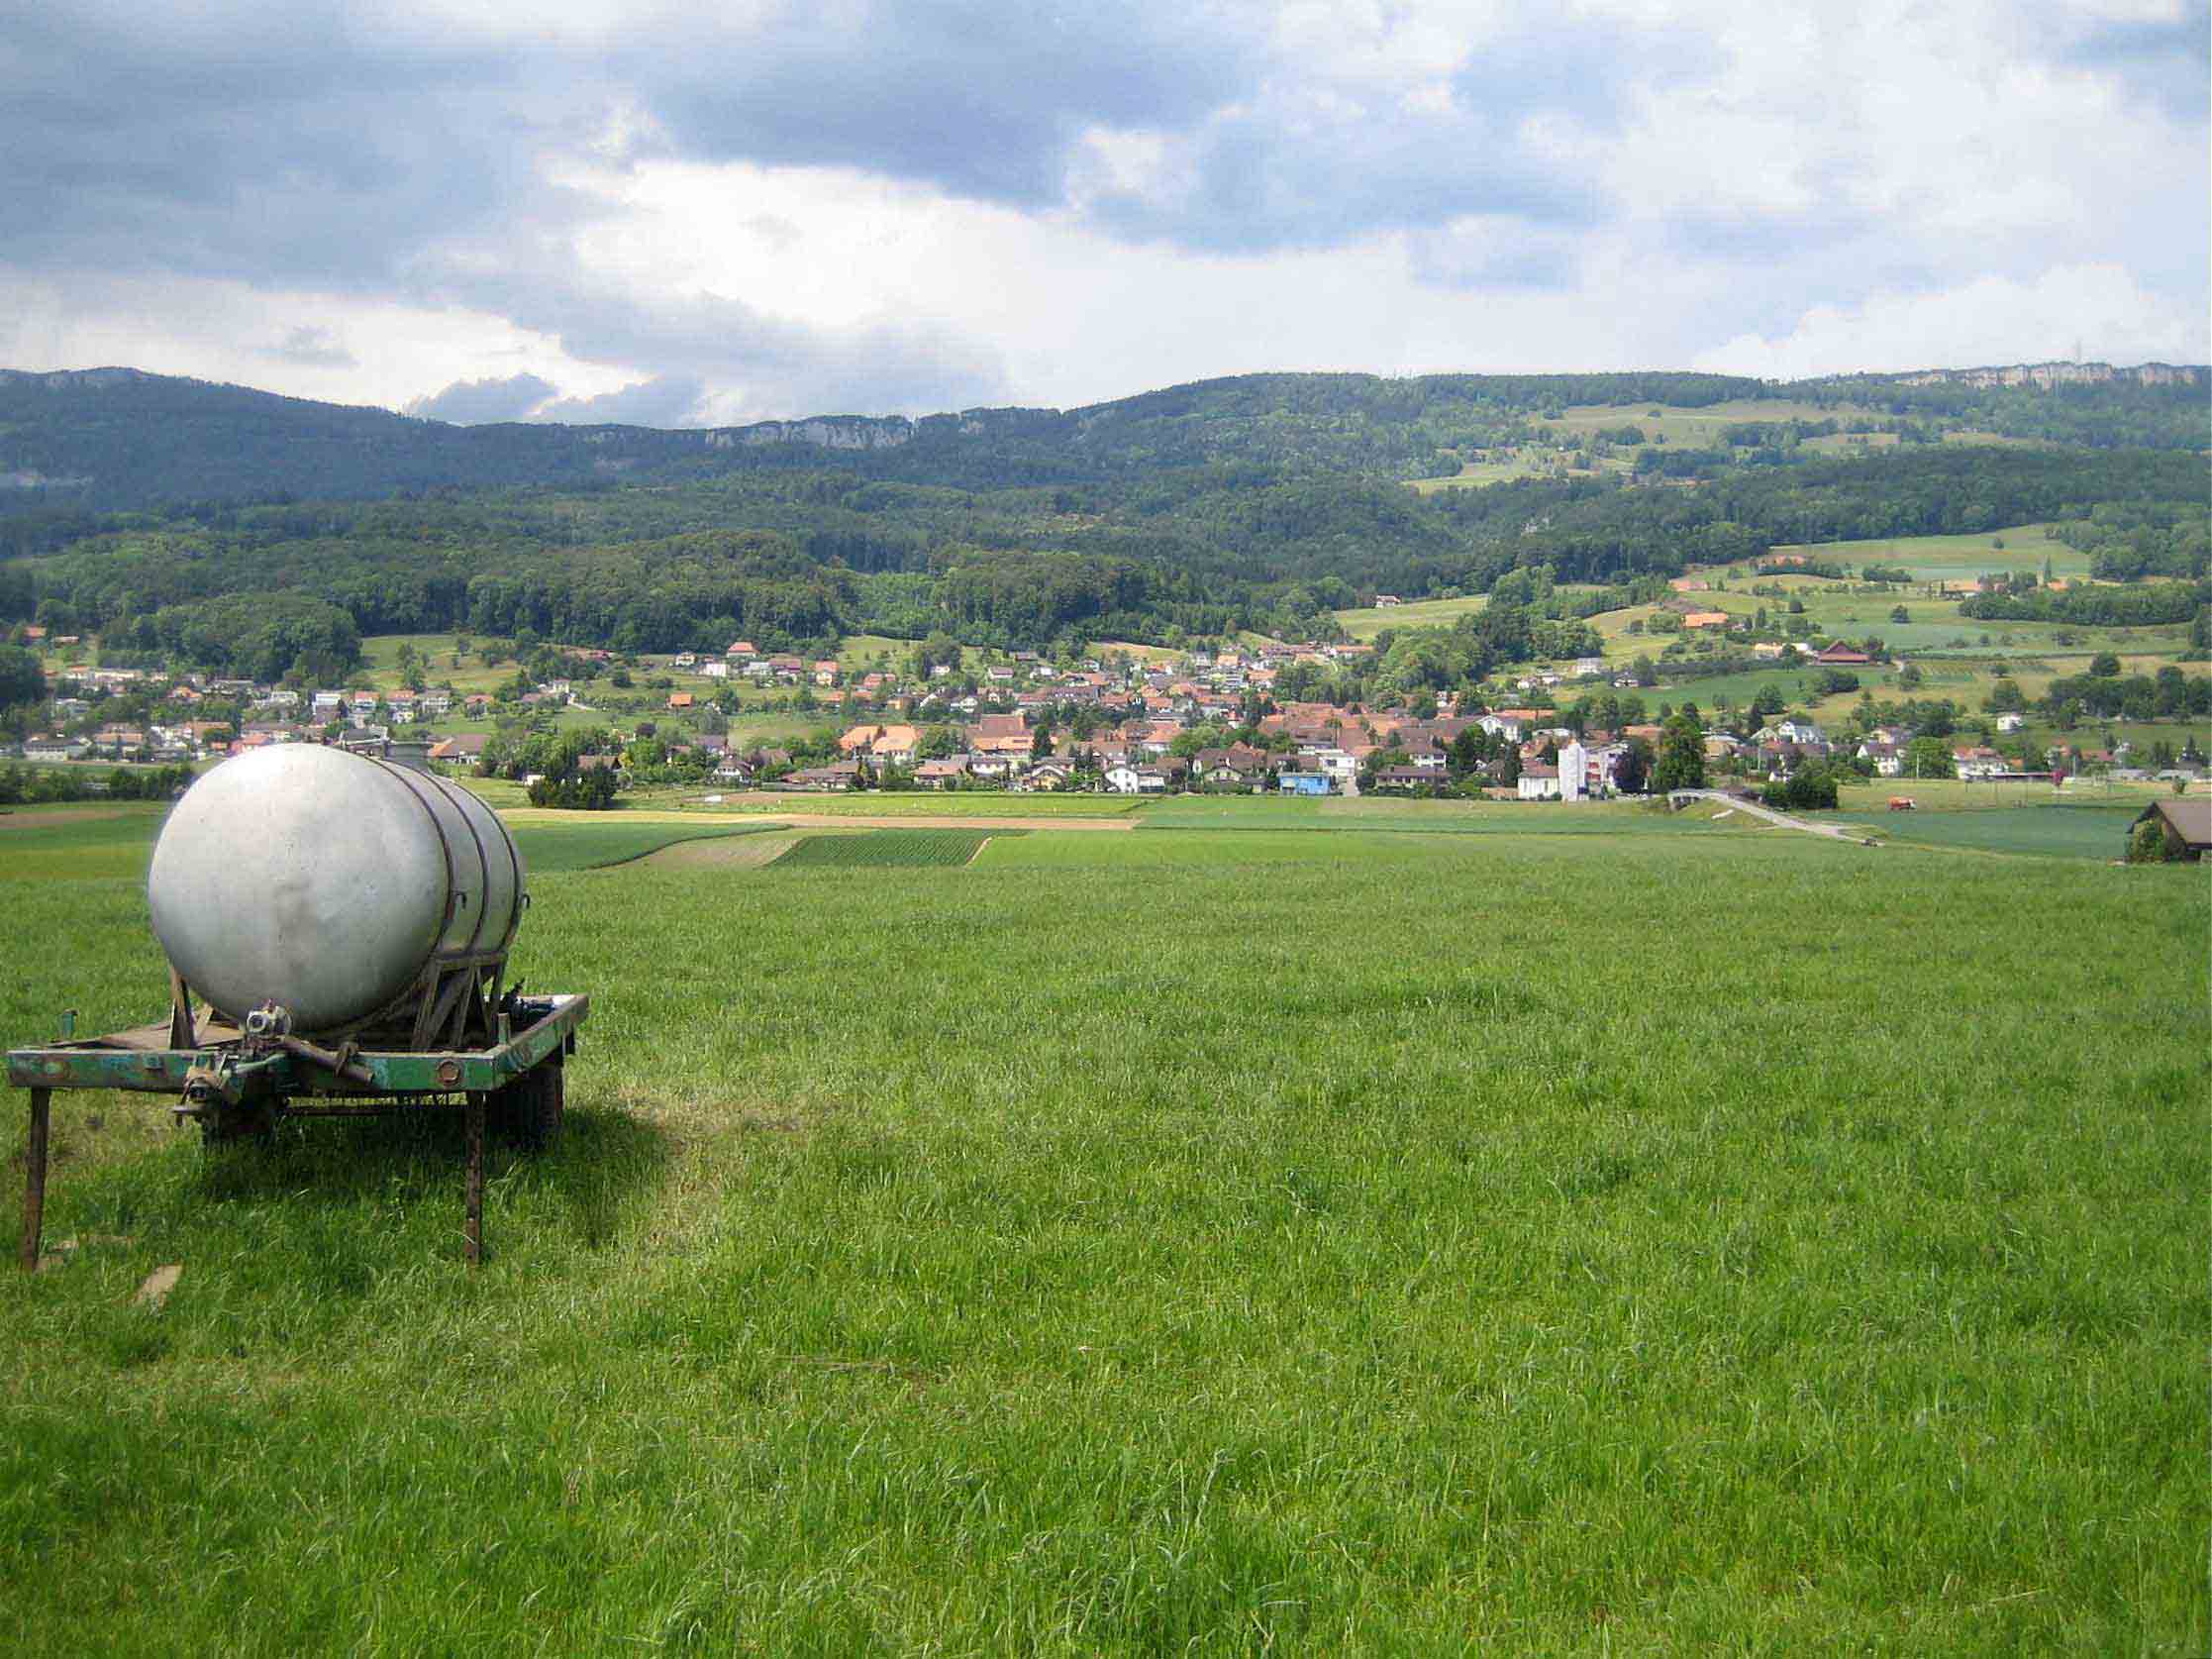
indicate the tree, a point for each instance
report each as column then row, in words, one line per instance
column 1682, row 757
column 21, row 680
column 1898, row 613
column 1634, row 768
column 2104, row 666
column 1930, row 757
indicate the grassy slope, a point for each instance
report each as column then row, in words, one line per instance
column 1180, row 1238
column 1421, row 613
column 1958, row 557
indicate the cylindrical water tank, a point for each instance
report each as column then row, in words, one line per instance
column 327, row 883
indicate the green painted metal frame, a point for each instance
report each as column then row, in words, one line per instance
column 98, row 1062
column 395, row 1076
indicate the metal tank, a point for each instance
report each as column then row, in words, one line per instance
column 323, row 890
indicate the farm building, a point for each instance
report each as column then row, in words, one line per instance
column 2187, row 826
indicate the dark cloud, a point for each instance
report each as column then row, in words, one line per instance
column 311, row 347
column 285, row 146
column 482, row 402
column 980, row 98
column 2168, row 62
column 1290, row 171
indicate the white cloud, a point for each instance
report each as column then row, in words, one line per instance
column 1994, row 320
column 1054, row 206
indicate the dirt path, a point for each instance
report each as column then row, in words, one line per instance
column 1677, row 797
column 62, row 815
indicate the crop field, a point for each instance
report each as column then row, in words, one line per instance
column 921, row 804
column 595, row 842
column 2053, row 831
column 88, row 839
column 1346, row 1241
column 888, row 849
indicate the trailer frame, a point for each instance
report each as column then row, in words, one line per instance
column 240, row 1080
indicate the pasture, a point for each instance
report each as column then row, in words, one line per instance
column 1365, row 623
column 2025, row 546
column 1356, row 1241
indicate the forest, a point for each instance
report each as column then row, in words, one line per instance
column 1262, row 502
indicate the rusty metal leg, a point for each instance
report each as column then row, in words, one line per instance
column 35, row 1178
column 472, row 1228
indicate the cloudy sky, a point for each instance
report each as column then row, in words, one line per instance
column 681, row 215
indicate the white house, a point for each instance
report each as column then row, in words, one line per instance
column 1124, row 779
column 1539, row 781
column 2011, row 722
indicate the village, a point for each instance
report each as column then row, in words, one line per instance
column 1136, row 721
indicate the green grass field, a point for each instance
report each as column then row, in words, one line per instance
column 598, row 841
column 1179, row 1240
column 1365, row 624
column 888, row 849
column 82, row 840
column 1957, row 557
column 921, row 804
column 44, row 844
column 2078, row 831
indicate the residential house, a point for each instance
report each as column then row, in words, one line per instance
column 464, row 749
column 838, row 775
column 1049, row 776
column 1403, row 779
column 1539, row 781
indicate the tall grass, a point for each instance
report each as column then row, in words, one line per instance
column 1135, row 1243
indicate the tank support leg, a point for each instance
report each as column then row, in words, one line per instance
column 473, row 1227
column 35, row 1178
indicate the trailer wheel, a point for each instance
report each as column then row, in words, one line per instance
column 528, row 1110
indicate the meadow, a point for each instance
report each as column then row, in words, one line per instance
column 888, row 849
column 913, row 803
column 1355, row 1241
column 2021, row 546
column 1367, row 622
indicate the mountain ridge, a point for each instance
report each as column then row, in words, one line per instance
column 116, row 437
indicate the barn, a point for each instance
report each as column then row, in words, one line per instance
column 2187, row 826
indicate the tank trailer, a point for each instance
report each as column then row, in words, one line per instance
column 336, row 930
